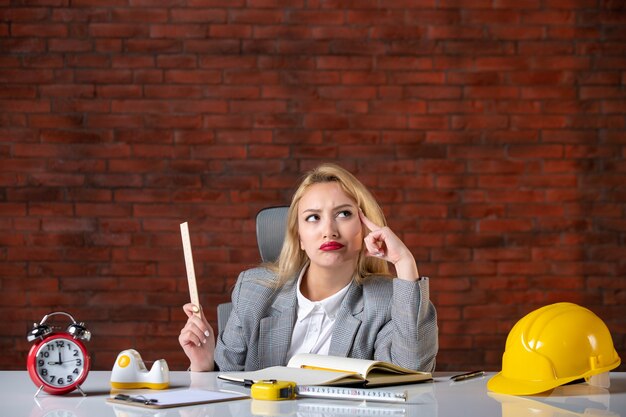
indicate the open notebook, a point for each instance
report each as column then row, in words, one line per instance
column 312, row 369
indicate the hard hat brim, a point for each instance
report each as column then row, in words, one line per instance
column 503, row 385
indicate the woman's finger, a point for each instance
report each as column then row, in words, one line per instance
column 188, row 338
column 367, row 222
column 374, row 244
column 191, row 309
column 200, row 322
column 196, row 331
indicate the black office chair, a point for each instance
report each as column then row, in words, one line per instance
column 270, row 233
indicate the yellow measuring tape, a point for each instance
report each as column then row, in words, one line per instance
column 273, row 390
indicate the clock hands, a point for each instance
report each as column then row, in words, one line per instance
column 57, row 363
column 61, row 361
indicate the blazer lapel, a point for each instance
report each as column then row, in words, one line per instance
column 276, row 329
column 347, row 323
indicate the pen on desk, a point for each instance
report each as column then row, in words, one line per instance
column 468, row 375
column 138, row 399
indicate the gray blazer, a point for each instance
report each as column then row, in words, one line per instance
column 381, row 319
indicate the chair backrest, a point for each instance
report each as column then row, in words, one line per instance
column 270, row 233
column 223, row 313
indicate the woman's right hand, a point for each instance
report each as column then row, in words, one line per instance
column 197, row 339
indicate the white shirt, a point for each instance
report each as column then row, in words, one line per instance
column 314, row 324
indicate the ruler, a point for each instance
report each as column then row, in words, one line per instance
column 343, row 393
column 191, row 273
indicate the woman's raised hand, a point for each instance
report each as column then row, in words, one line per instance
column 383, row 243
column 197, row 339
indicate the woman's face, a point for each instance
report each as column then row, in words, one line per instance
column 329, row 226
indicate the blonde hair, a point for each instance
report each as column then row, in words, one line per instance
column 292, row 258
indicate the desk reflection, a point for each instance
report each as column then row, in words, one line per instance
column 565, row 401
column 232, row 408
column 53, row 406
column 421, row 402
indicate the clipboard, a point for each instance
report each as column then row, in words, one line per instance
column 176, row 398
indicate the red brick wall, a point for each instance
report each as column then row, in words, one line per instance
column 493, row 133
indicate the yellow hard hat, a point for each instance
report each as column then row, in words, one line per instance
column 552, row 346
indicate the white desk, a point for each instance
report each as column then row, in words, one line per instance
column 440, row 398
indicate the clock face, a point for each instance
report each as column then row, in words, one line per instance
column 59, row 363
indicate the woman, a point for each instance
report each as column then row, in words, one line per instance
column 330, row 292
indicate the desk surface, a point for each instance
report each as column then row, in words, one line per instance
column 440, row 398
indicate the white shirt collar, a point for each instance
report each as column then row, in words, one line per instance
column 329, row 304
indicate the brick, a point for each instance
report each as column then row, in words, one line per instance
column 268, row 151
column 52, row 61
column 182, row 121
column 198, row 15
column 534, row 151
column 546, row 48
column 17, row 91
column 33, row 254
column 13, row 299
column 430, row 93
column 482, row 92
column 153, row 45
column 41, row 30
column 25, row 106
column 223, row 46
column 192, row 76
column 104, row 76
column 79, row 14
column 25, row 14
column 478, row 152
column 72, row 136
column 497, row 225
column 250, row 106
column 227, row 121
column 26, row 45
column 118, row 30
column 172, row 181
column 454, row 32
column 348, row 40
column 455, row 182
column 471, row 47
column 391, row 122
column 177, row 31
column 150, row 15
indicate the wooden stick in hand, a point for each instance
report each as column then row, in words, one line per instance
column 191, row 274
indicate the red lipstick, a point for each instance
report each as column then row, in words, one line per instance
column 328, row 246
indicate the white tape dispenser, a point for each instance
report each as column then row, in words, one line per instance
column 129, row 372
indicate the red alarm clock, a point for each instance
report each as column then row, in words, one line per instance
column 58, row 362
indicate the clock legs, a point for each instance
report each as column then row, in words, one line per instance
column 77, row 387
